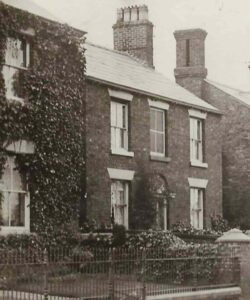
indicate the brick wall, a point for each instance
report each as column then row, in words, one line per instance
column 176, row 171
column 190, row 76
column 235, row 127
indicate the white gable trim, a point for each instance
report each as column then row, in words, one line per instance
column 158, row 104
column 121, row 174
column 197, row 182
column 197, row 114
column 120, row 95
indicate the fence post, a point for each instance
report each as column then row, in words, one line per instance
column 45, row 274
column 144, row 273
column 195, row 272
column 111, row 274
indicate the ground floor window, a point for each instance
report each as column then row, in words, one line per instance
column 119, row 202
column 14, row 197
column 196, row 207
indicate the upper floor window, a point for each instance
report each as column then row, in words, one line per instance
column 119, row 122
column 17, row 58
column 119, row 126
column 196, row 207
column 197, row 138
column 157, row 131
column 14, row 202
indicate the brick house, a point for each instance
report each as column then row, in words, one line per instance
column 234, row 104
column 139, row 122
column 136, row 118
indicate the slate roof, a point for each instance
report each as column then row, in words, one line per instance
column 32, row 7
column 243, row 96
column 122, row 70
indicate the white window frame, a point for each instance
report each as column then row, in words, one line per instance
column 197, row 207
column 10, row 67
column 162, row 133
column 123, row 176
column 161, row 107
column 196, row 139
column 120, row 210
column 122, row 131
column 16, row 229
column 196, row 124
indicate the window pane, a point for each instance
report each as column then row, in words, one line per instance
column 6, row 178
column 119, row 114
column 159, row 142
column 153, row 141
column 152, row 119
column 119, row 202
column 17, row 209
column 160, row 118
column 17, row 183
column 4, row 209
column 113, row 113
column 15, row 52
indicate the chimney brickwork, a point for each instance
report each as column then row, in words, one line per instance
column 190, row 59
column 133, row 33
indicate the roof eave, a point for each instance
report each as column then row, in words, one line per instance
column 130, row 89
column 47, row 19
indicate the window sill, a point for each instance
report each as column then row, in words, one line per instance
column 160, row 158
column 5, row 230
column 199, row 164
column 17, row 99
column 122, row 152
column 16, row 67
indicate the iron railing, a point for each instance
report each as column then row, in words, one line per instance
column 112, row 273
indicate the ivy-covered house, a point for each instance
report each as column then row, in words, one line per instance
column 42, row 88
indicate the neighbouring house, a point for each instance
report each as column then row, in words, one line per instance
column 234, row 104
column 139, row 123
column 41, row 120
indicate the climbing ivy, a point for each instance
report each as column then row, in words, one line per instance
column 52, row 117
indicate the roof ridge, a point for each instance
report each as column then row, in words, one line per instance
column 227, row 86
column 125, row 53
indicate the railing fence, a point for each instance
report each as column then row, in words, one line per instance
column 112, row 273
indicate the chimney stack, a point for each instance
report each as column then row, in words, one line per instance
column 190, row 68
column 133, row 33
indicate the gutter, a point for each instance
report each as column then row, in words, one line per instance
column 129, row 89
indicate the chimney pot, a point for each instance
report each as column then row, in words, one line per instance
column 143, row 12
column 119, row 14
column 133, row 33
column 127, row 14
column 134, row 13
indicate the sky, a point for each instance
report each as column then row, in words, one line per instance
column 227, row 23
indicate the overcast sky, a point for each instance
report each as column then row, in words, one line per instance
column 226, row 21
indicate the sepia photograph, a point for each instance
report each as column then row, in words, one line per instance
column 124, row 149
